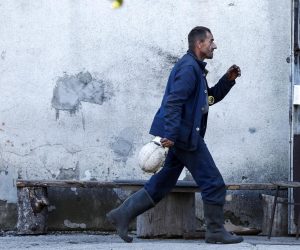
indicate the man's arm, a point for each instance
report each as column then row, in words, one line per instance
column 181, row 89
column 221, row 89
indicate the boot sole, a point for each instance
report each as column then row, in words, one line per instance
column 222, row 242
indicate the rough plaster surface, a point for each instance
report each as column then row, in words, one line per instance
column 125, row 57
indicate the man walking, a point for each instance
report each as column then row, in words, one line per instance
column 181, row 122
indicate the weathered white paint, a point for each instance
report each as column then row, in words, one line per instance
column 70, row 224
column 131, row 50
column 296, row 95
column 51, row 208
column 7, row 185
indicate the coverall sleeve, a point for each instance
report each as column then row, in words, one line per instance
column 221, row 89
column 180, row 91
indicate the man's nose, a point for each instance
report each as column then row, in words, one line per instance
column 214, row 46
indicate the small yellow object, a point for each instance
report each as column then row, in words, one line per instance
column 117, row 4
column 211, row 100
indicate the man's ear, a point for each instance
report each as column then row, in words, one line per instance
column 199, row 44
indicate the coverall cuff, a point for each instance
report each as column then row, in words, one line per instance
column 229, row 83
column 170, row 137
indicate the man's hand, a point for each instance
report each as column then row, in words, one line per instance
column 166, row 143
column 233, row 72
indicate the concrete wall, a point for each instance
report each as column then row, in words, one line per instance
column 80, row 83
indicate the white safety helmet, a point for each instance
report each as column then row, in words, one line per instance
column 152, row 156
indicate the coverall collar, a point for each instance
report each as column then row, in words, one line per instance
column 201, row 63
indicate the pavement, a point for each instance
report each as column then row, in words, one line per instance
column 87, row 241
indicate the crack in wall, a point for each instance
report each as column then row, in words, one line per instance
column 9, row 109
column 72, row 152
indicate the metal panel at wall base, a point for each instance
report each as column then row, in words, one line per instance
column 296, row 174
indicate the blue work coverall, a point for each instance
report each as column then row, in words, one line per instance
column 182, row 118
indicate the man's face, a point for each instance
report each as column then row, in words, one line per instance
column 206, row 47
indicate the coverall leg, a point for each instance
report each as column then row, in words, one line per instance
column 202, row 167
column 161, row 183
column 205, row 173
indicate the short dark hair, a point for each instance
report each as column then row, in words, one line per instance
column 197, row 33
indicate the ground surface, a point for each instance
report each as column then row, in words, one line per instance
column 112, row 242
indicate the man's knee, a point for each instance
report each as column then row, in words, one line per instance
column 215, row 194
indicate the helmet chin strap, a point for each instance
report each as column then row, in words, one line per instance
column 156, row 140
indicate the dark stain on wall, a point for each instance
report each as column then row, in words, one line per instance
column 122, row 147
column 3, row 55
column 245, row 208
column 71, row 90
column 86, row 206
column 167, row 57
column 244, row 178
column 235, row 219
column 252, row 130
column 160, row 71
column 8, row 215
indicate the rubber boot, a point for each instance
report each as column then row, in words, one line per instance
column 215, row 231
column 133, row 206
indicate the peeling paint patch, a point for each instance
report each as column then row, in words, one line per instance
column 252, row 130
column 71, row 90
column 51, row 208
column 228, row 197
column 70, row 224
column 88, row 175
column 234, row 218
column 123, row 144
column 74, row 189
column 122, row 147
column 69, row 173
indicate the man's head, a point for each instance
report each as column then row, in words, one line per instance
column 201, row 41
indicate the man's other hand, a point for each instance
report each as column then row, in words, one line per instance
column 166, row 143
column 233, row 72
